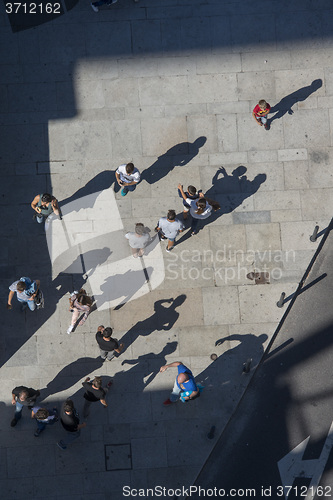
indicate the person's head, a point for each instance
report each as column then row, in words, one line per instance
column 46, row 198
column 201, row 204
column 192, row 190
column 23, row 395
column 171, row 215
column 21, row 286
column 183, row 377
column 140, row 228
column 68, row 406
column 42, row 414
column 107, row 332
column 262, row 104
column 83, row 298
column 97, row 382
column 129, row 168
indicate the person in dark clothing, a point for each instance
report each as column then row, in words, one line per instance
column 70, row 421
column 94, row 392
column 22, row 396
column 107, row 345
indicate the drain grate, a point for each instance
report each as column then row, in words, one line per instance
column 118, row 457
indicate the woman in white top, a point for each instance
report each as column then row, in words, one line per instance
column 199, row 209
column 79, row 304
column 138, row 240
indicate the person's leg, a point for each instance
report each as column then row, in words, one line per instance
column 31, row 305
column 39, row 218
column 103, row 354
column 75, row 316
column 100, row 3
column 175, row 393
column 110, row 355
column 194, row 225
column 171, row 243
column 141, row 252
column 135, row 252
column 40, row 427
column 24, row 304
column 185, row 213
column 86, row 408
column 70, row 437
column 18, row 411
column 132, row 187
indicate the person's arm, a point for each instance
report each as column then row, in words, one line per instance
column 180, row 187
column 34, row 294
column 13, row 398
column 9, row 300
column 104, row 403
column 80, row 426
column 193, row 393
column 55, row 206
column 34, row 204
column 170, row 365
column 265, row 113
column 32, row 414
column 120, row 182
column 120, row 348
column 256, row 118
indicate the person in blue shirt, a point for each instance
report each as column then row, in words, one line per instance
column 184, row 386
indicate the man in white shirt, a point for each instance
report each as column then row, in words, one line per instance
column 127, row 177
column 168, row 227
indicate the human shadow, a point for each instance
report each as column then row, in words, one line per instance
column 229, row 191
column 88, row 193
column 285, row 105
column 150, row 363
column 70, row 375
column 163, row 319
column 178, row 155
column 122, row 286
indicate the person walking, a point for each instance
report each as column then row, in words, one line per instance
column 79, row 303
column 26, row 291
column 94, row 392
column 184, row 386
column 192, row 194
column 127, row 177
column 23, row 396
column 138, row 240
column 43, row 417
column 44, row 205
column 107, row 345
column 168, row 227
column 200, row 209
column 70, row 421
column 259, row 113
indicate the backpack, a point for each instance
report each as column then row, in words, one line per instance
column 30, row 286
column 39, row 299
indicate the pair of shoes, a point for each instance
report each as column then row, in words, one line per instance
column 167, row 249
column 38, row 431
column 13, row 422
column 70, row 329
column 124, row 192
column 167, row 402
column 193, row 233
column 135, row 255
column 61, row 445
column 94, row 8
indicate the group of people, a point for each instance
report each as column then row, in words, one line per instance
column 80, row 304
column 185, row 389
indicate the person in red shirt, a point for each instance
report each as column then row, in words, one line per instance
column 260, row 112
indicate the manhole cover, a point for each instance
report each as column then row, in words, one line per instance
column 118, row 457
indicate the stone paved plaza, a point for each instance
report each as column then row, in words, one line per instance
column 170, row 86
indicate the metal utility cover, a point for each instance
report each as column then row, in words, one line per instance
column 118, row 457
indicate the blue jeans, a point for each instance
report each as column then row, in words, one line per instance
column 70, row 437
column 129, row 188
column 31, row 303
column 18, row 410
column 194, row 224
